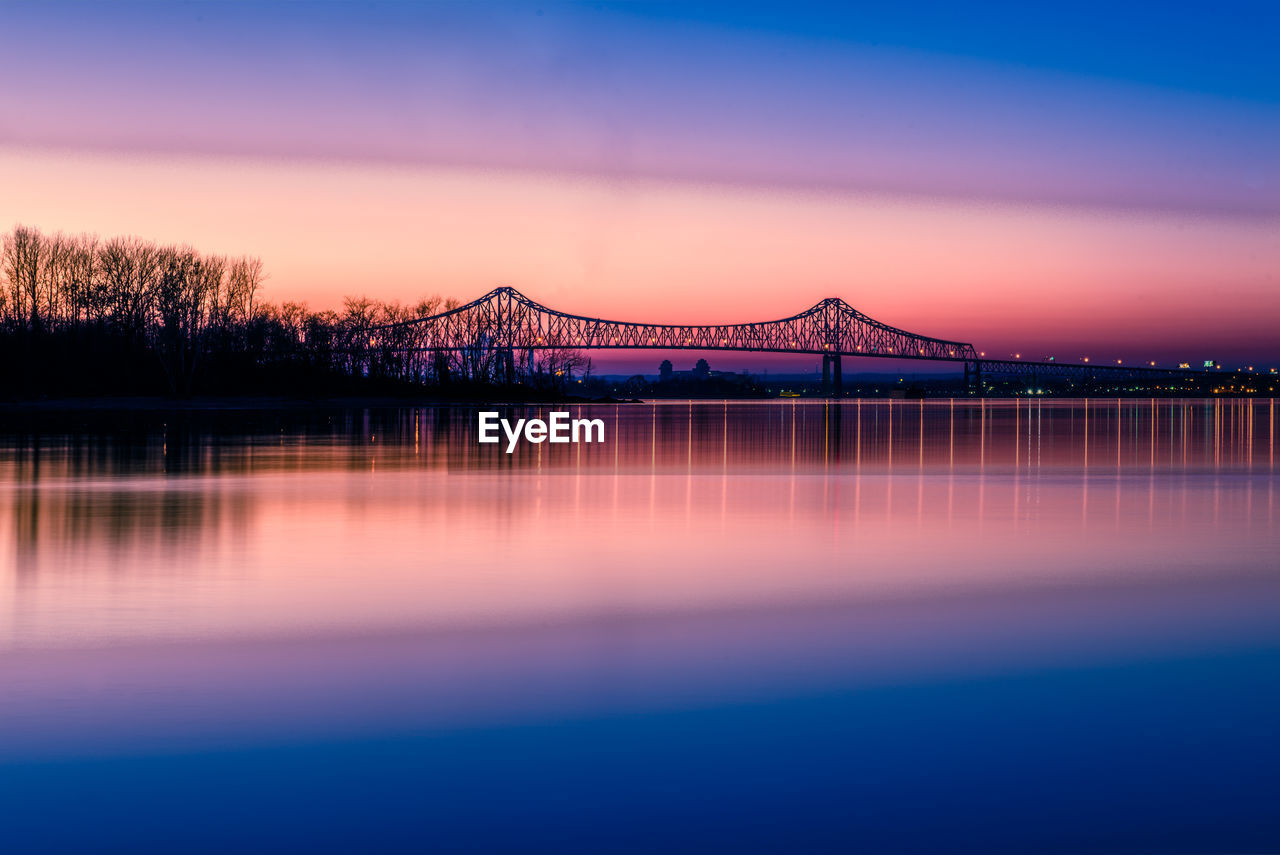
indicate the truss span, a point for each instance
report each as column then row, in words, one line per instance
column 505, row 319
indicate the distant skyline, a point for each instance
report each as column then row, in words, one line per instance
column 1081, row 179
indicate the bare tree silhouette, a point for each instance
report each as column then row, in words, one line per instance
column 125, row 314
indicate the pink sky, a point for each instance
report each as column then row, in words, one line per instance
column 1047, row 191
column 1069, row 280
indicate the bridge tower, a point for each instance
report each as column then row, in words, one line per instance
column 831, row 314
column 506, row 365
column 832, row 377
column 973, row 377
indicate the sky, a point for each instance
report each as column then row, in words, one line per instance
column 1068, row 180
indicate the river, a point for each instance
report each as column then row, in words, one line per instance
column 891, row 626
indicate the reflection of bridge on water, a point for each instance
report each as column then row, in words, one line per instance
column 506, row 324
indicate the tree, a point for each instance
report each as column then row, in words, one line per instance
column 126, row 284
column 23, row 263
column 183, row 288
column 123, row 313
column 82, row 262
column 245, row 276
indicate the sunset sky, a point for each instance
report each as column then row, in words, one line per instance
column 1084, row 179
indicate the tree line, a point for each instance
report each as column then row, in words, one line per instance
column 84, row 315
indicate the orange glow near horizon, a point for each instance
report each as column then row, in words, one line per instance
column 1002, row 275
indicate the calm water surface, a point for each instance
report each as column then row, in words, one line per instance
column 789, row 626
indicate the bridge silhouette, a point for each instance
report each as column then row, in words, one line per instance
column 511, row 326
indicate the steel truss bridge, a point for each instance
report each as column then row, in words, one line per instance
column 505, row 327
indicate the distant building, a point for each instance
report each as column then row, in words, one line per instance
column 700, row 371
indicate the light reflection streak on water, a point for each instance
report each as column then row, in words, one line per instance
column 176, row 496
column 186, row 582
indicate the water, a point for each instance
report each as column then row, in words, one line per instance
column 786, row 626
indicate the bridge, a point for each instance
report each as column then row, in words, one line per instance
column 504, row 328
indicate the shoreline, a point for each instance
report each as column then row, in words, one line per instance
column 231, row 403
column 263, row 403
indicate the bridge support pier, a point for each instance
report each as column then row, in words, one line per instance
column 440, row 362
column 508, row 367
column 826, row 374
column 973, row 378
column 837, row 376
